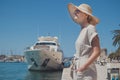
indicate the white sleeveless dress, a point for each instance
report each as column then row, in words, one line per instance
column 83, row 51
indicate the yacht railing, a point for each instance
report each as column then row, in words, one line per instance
column 42, row 47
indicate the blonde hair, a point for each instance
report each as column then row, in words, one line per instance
column 91, row 21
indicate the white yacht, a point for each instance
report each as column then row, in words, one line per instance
column 45, row 54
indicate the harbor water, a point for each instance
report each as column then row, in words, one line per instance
column 19, row 71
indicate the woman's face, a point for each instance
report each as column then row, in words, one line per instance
column 80, row 17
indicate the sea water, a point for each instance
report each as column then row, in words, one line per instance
column 19, row 71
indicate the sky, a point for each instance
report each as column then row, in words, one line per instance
column 23, row 21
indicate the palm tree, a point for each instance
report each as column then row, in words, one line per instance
column 116, row 38
column 111, row 55
column 116, row 42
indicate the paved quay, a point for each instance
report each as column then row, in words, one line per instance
column 101, row 71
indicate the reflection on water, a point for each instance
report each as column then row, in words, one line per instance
column 36, row 75
column 19, row 71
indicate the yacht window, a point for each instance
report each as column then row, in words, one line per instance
column 45, row 44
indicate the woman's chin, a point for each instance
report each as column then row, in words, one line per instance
column 76, row 21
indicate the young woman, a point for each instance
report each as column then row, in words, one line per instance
column 87, row 43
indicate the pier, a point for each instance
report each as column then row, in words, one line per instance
column 66, row 74
column 101, row 71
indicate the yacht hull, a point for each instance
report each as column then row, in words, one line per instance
column 43, row 60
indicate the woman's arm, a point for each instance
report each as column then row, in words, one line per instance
column 94, row 55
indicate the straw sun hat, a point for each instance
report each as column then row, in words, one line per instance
column 85, row 8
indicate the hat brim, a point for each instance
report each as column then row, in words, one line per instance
column 72, row 8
